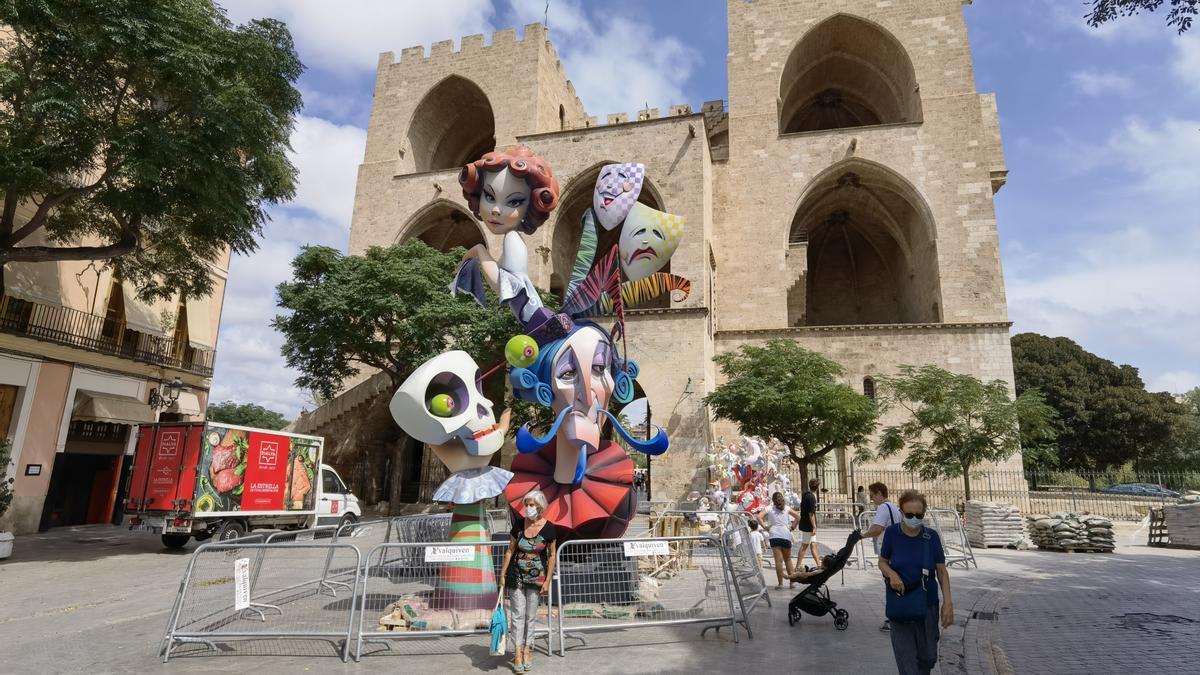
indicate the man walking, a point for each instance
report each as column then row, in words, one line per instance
column 886, row 515
column 808, row 524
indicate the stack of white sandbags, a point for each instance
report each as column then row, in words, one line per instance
column 1183, row 523
column 993, row 524
column 1066, row 530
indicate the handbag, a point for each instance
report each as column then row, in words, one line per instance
column 912, row 604
column 499, row 626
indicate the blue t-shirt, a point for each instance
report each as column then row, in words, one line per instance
column 906, row 555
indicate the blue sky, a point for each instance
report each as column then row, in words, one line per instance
column 1099, row 222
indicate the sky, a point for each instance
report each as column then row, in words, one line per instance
column 1099, row 222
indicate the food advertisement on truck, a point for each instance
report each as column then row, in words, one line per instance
column 250, row 470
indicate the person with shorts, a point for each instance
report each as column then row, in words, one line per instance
column 808, row 524
column 779, row 521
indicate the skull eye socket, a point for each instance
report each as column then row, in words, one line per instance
column 446, row 395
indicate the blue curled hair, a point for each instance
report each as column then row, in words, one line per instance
column 533, row 384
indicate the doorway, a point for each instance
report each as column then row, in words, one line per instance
column 87, row 475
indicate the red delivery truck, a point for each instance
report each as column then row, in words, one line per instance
column 205, row 479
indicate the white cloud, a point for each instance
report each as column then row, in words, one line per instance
column 1127, row 295
column 327, row 156
column 1094, row 83
column 1186, row 66
column 616, row 64
column 1176, row 381
column 1163, row 161
column 348, row 35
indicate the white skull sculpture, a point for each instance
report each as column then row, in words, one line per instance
column 471, row 420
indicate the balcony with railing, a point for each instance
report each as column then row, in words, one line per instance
column 73, row 328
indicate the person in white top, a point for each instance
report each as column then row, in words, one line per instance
column 779, row 521
column 886, row 515
column 756, row 540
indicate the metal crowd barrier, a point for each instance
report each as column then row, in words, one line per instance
column 616, row 584
column 948, row 525
column 237, row 590
column 415, row 590
column 746, row 567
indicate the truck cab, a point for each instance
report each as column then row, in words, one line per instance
column 336, row 504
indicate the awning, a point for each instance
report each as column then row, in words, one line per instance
column 186, row 404
column 34, row 282
column 199, row 324
column 142, row 316
column 93, row 406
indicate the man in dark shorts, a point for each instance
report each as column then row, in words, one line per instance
column 808, row 524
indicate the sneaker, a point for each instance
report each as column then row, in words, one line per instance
column 886, row 627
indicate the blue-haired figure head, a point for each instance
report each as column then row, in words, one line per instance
column 578, row 375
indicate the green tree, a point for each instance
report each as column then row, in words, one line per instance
column 956, row 422
column 788, row 393
column 147, row 134
column 1180, row 16
column 1181, row 452
column 246, row 415
column 387, row 310
column 6, row 493
column 1106, row 417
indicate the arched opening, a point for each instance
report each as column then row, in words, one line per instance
column 562, row 118
column 443, row 225
column 847, row 72
column 568, row 229
column 869, row 388
column 452, row 125
column 862, row 250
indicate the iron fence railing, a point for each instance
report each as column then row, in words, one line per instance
column 73, row 328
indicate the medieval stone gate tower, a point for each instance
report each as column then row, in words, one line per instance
column 842, row 198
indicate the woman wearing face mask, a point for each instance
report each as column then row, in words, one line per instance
column 527, row 571
column 779, row 521
column 908, row 553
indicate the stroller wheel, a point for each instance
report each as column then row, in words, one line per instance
column 841, row 619
column 793, row 617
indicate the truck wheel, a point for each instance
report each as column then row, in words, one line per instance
column 347, row 519
column 232, row 529
column 175, row 541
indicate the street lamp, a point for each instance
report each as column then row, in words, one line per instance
column 166, row 394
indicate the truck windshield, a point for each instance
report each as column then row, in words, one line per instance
column 331, row 484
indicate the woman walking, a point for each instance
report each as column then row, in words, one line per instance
column 527, row 571
column 779, row 521
column 908, row 553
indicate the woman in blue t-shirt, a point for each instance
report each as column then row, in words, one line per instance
column 902, row 559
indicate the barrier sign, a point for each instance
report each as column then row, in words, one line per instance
column 449, row 554
column 640, row 548
column 708, row 517
column 241, row 583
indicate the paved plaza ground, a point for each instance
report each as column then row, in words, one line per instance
column 96, row 599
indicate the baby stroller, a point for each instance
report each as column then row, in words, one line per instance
column 814, row 599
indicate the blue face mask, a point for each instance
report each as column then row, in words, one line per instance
column 913, row 523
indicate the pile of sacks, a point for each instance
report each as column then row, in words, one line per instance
column 992, row 524
column 1071, row 530
column 1183, row 523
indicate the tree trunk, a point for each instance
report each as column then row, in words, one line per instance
column 802, row 462
column 396, row 481
column 966, row 484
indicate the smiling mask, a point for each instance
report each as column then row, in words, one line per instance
column 648, row 239
column 617, row 190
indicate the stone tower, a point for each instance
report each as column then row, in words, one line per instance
column 842, row 200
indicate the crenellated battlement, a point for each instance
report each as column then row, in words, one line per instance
column 469, row 44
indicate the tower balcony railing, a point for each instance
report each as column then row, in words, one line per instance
column 81, row 330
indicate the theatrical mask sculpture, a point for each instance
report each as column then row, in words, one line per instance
column 649, row 238
column 617, row 189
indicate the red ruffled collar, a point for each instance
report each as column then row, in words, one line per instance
column 600, row 506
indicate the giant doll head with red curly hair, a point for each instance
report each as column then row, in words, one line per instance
column 510, row 190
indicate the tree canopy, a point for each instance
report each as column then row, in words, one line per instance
column 956, row 422
column 389, row 309
column 246, row 415
column 788, row 393
column 1105, row 416
column 147, row 134
column 1180, row 16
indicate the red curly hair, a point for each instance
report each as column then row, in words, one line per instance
column 520, row 161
